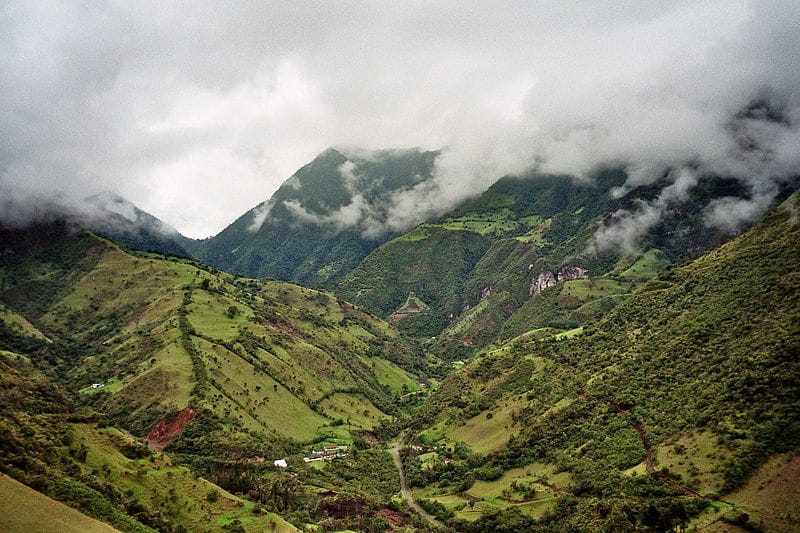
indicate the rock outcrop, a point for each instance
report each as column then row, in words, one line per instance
column 544, row 280
column 486, row 292
column 547, row 278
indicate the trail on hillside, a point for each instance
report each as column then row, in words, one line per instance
column 406, row 493
column 638, row 426
column 648, row 448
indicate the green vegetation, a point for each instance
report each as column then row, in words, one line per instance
column 694, row 366
column 383, row 282
column 24, row 509
column 287, row 245
column 643, row 395
column 268, row 368
column 473, row 268
column 108, row 475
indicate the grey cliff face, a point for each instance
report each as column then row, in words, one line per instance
column 547, row 278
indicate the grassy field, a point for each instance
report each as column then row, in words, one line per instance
column 418, row 234
column 412, row 306
column 495, row 223
column 208, row 314
column 696, row 457
column 24, row 509
column 768, row 498
column 257, row 399
column 357, row 411
column 158, row 483
column 646, row 266
column 488, row 431
column 580, row 291
column 532, row 489
column 537, row 234
column 393, row 376
column 771, row 495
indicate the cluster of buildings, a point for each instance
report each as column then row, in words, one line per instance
column 327, row 453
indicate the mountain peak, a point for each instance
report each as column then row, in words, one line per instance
column 324, row 219
column 330, row 153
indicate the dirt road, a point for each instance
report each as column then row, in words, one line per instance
column 406, row 493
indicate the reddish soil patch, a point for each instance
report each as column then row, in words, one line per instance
column 396, row 521
column 343, row 506
column 165, row 432
column 289, row 329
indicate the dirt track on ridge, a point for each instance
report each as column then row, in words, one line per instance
column 649, row 462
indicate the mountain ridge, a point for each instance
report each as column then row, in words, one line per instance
column 318, row 225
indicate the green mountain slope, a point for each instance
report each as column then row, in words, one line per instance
column 24, row 509
column 536, row 266
column 312, row 230
column 415, row 263
column 519, row 228
column 674, row 398
column 108, row 475
column 284, row 362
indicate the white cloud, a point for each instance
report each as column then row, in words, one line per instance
column 625, row 229
column 198, row 112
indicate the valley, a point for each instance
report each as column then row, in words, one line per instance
column 518, row 377
column 400, row 267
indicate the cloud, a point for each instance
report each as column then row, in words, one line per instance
column 260, row 214
column 359, row 212
column 198, row 112
column 733, row 214
column 625, row 229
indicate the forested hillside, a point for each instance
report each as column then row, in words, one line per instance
column 661, row 409
column 524, row 255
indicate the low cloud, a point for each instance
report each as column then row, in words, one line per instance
column 260, row 214
column 358, row 212
column 625, row 229
column 198, row 115
column 102, row 212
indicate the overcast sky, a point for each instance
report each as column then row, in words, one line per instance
column 197, row 111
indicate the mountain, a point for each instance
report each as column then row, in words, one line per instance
column 164, row 334
column 220, row 371
column 646, row 385
column 120, row 220
column 321, row 222
column 526, row 255
column 673, row 404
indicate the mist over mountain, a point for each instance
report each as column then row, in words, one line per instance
column 529, row 266
column 324, row 219
column 120, row 220
column 561, row 89
column 105, row 213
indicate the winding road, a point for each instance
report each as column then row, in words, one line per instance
column 406, row 493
